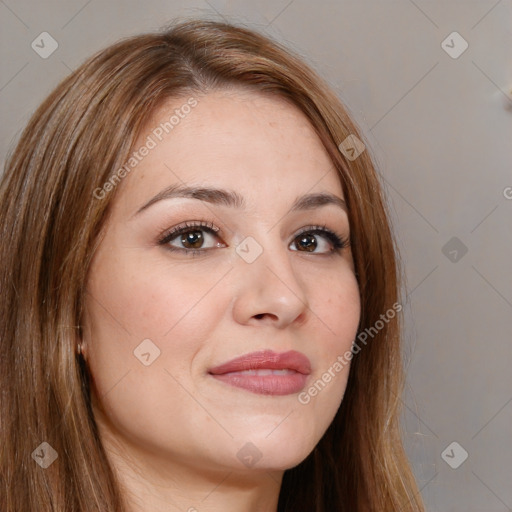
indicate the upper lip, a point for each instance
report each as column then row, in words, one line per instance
column 266, row 359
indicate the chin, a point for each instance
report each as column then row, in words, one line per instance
column 278, row 454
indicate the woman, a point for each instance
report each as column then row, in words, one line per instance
column 199, row 290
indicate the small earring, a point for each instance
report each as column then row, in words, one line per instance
column 79, row 348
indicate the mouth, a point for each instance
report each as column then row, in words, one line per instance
column 266, row 372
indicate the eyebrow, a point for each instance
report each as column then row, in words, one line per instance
column 233, row 199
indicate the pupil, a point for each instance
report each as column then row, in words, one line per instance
column 193, row 237
column 309, row 242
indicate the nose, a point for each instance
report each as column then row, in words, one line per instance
column 268, row 290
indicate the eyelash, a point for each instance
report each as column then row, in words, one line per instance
column 339, row 243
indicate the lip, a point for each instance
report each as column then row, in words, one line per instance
column 266, row 372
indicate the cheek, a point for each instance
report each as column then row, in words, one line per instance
column 130, row 302
column 335, row 302
column 150, row 299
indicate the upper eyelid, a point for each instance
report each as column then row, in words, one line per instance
column 188, row 226
column 210, row 227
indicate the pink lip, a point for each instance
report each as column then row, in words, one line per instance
column 296, row 368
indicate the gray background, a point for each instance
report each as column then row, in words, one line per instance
column 440, row 129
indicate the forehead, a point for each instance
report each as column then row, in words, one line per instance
column 259, row 145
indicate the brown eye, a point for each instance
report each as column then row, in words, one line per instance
column 307, row 240
column 198, row 237
column 193, row 236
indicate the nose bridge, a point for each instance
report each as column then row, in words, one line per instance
column 267, row 253
column 266, row 280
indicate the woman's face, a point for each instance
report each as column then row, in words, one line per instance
column 267, row 280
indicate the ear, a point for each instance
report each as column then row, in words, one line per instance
column 81, row 344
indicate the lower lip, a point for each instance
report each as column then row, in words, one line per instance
column 266, row 384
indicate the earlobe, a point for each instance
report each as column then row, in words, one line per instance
column 80, row 345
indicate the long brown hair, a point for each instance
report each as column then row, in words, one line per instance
column 50, row 221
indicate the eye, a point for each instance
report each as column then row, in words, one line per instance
column 307, row 239
column 194, row 235
column 191, row 236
